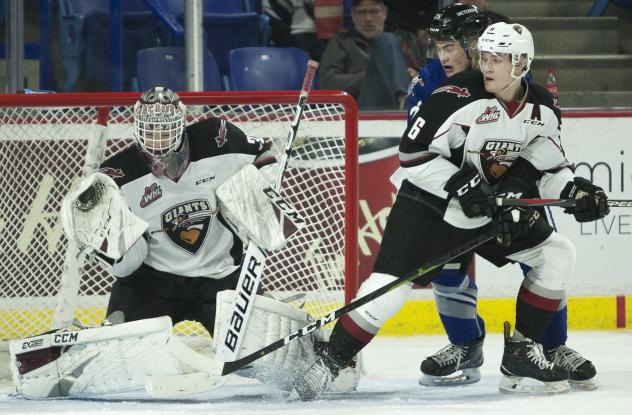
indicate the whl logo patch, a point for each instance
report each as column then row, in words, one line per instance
column 491, row 114
column 152, row 193
column 186, row 224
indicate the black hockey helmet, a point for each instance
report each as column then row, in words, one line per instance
column 457, row 21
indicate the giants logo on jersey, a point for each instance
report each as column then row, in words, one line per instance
column 186, row 224
column 221, row 134
column 453, row 89
column 491, row 114
column 496, row 156
column 152, row 193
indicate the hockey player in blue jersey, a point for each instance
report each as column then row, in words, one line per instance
column 454, row 30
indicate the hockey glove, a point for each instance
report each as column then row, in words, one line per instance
column 476, row 197
column 513, row 222
column 592, row 202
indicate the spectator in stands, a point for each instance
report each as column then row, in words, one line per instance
column 292, row 24
column 408, row 19
column 365, row 61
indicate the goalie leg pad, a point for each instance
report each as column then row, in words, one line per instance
column 92, row 362
column 271, row 320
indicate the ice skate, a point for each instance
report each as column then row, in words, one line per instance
column 316, row 381
column 580, row 370
column 453, row 365
column 525, row 359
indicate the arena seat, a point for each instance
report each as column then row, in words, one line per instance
column 267, row 68
column 166, row 66
column 85, row 39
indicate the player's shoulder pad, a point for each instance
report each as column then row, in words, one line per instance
column 213, row 137
column 453, row 94
column 466, row 85
column 539, row 95
column 125, row 166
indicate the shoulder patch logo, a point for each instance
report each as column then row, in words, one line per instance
column 417, row 80
column 453, row 89
column 152, row 193
column 221, row 134
column 491, row 114
column 187, row 224
column 112, row 172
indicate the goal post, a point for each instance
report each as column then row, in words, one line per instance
column 44, row 142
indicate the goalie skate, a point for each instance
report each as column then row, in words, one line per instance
column 453, row 365
column 580, row 370
column 524, row 363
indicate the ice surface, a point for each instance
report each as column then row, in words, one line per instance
column 390, row 387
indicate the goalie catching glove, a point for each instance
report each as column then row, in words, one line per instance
column 97, row 218
column 592, row 202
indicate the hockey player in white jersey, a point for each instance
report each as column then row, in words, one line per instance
column 479, row 136
column 454, row 31
column 172, row 251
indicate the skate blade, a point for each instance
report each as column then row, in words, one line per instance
column 514, row 384
column 586, row 385
column 461, row 377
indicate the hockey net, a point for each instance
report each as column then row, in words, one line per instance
column 48, row 141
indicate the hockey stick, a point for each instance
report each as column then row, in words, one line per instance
column 556, row 202
column 217, row 367
column 67, row 296
column 254, row 260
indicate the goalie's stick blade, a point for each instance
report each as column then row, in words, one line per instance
column 165, row 387
column 565, row 203
column 230, row 367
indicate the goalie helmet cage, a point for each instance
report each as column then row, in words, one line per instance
column 48, row 140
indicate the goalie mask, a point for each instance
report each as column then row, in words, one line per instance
column 159, row 118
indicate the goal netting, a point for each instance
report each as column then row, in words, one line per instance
column 47, row 141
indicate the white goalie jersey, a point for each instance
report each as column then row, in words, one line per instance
column 188, row 234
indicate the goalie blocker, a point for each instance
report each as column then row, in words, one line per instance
column 144, row 355
column 256, row 211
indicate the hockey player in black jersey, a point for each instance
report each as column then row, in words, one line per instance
column 478, row 137
column 169, row 179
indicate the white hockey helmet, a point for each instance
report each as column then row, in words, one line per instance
column 511, row 38
column 159, row 121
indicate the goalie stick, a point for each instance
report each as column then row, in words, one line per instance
column 566, row 203
column 73, row 262
column 216, row 367
column 254, row 260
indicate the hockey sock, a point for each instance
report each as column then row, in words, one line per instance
column 533, row 313
column 555, row 333
column 346, row 340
